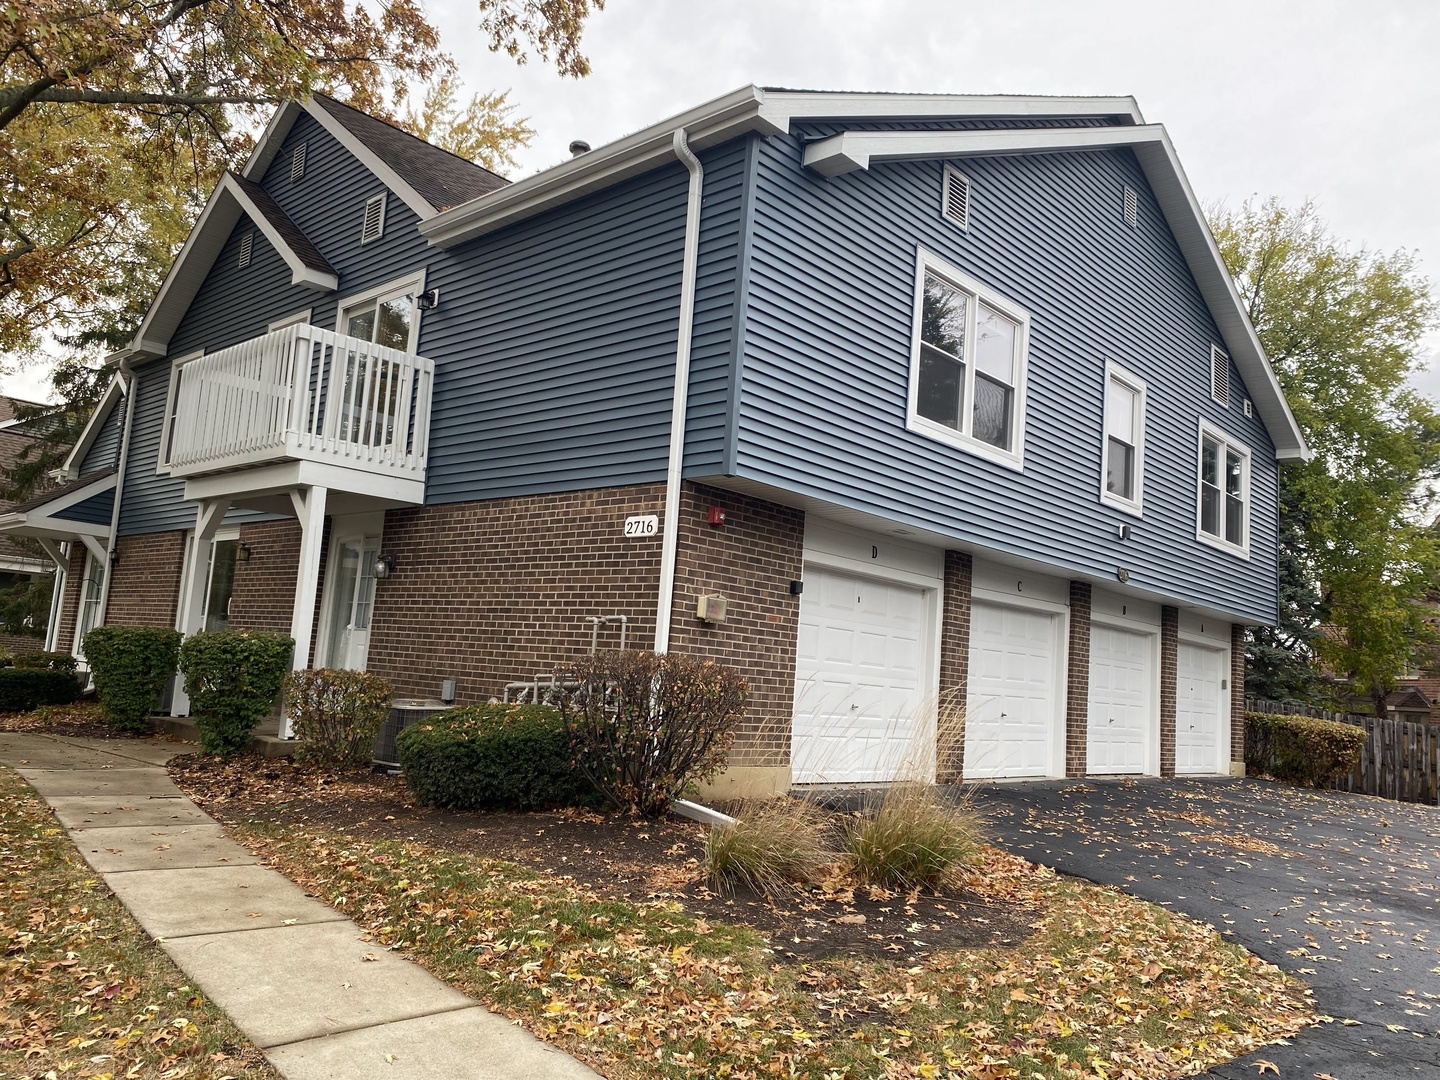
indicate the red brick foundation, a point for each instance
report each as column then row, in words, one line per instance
column 145, row 582
column 495, row 591
column 750, row 560
column 954, row 666
column 1077, row 681
column 1237, row 694
column 1169, row 675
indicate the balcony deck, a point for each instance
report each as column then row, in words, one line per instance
column 305, row 395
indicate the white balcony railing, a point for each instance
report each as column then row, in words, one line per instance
column 303, row 394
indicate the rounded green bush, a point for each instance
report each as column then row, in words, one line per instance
column 233, row 678
column 1305, row 750
column 487, row 757
column 131, row 666
column 23, row 689
column 336, row 714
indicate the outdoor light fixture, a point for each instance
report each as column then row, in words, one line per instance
column 384, row 566
column 242, row 553
column 114, row 556
column 428, row 299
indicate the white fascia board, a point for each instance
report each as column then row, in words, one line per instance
column 300, row 274
column 16, row 565
column 850, row 151
column 202, row 247
column 271, row 140
column 388, row 176
column 788, row 106
column 113, row 393
column 708, row 125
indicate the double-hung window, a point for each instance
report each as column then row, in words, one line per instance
column 1124, row 450
column 967, row 374
column 1224, row 491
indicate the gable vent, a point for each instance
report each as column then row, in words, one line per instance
column 1132, row 207
column 247, row 247
column 297, row 162
column 374, row 225
column 957, row 198
column 1219, row 375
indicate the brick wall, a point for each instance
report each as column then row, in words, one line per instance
column 750, row 560
column 264, row 588
column 1169, row 673
column 1077, row 680
column 494, row 591
column 954, row 665
column 145, row 583
column 1237, row 693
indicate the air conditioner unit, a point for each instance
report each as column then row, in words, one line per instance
column 403, row 713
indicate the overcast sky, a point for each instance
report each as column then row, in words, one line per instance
column 1334, row 102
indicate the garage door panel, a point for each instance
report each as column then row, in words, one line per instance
column 856, row 701
column 1198, row 701
column 1123, row 719
column 1012, row 697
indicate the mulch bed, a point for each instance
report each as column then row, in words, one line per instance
column 634, row 860
column 82, row 720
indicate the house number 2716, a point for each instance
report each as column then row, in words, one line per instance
column 642, row 525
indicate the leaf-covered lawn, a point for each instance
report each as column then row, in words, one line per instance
column 1107, row 986
column 83, row 991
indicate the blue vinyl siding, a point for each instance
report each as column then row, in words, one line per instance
column 104, row 452
column 95, row 510
column 827, row 358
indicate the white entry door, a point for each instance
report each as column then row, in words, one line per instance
column 1122, row 714
column 858, row 669
column 350, row 588
column 1012, row 704
column 1197, row 708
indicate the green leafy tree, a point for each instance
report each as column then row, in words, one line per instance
column 1343, row 328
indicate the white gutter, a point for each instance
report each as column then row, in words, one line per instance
column 669, row 534
column 127, row 373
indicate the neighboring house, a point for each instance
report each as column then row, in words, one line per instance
column 965, row 404
column 18, row 563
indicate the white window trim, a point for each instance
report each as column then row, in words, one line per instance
column 79, row 633
column 1136, row 506
column 1011, row 459
column 1232, row 443
column 300, row 318
column 162, row 462
column 411, row 284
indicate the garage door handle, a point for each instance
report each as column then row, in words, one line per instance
column 854, row 705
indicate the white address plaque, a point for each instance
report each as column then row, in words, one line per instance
column 642, row 525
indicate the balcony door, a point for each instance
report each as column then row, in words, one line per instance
column 350, row 600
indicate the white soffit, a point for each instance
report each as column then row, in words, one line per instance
column 850, row 151
column 749, row 109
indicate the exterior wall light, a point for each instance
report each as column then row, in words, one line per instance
column 242, row 553
column 384, row 566
column 428, row 299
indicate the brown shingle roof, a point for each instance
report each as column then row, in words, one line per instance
column 441, row 178
column 298, row 242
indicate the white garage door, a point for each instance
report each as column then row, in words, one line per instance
column 858, row 666
column 1197, row 709
column 1011, row 711
column 1121, row 712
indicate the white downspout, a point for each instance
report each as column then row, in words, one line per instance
column 128, row 376
column 669, row 534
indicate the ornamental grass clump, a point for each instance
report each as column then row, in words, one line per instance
column 912, row 837
column 336, row 714
column 772, row 845
column 132, row 665
column 644, row 726
column 233, row 678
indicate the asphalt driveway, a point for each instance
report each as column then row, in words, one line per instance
column 1341, row 890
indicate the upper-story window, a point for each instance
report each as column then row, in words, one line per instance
column 385, row 316
column 967, row 372
column 1224, row 491
column 1124, row 450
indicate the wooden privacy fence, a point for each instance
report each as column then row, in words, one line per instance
column 1401, row 759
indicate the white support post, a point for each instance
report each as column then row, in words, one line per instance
column 209, row 513
column 60, row 555
column 310, row 509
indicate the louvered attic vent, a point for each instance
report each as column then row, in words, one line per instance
column 1132, row 207
column 247, row 247
column 1219, row 375
column 297, row 162
column 374, row 225
column 957, row 198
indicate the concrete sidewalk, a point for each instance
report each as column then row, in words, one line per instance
column 293, row 974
